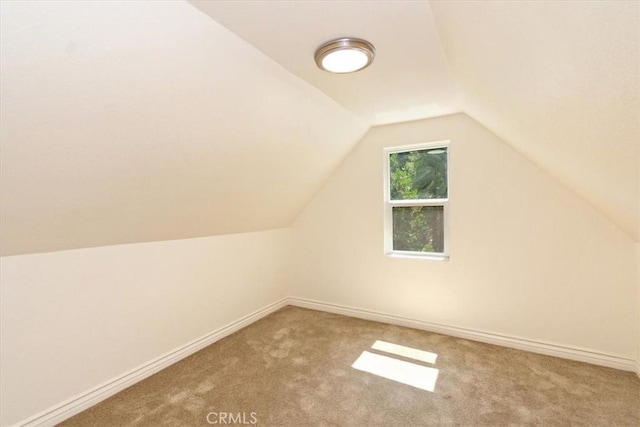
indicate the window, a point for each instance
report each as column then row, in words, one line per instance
column 417, row 200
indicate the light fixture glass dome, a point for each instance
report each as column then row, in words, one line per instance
column 345, row 55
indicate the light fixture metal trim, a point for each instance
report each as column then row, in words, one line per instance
column 345, row 44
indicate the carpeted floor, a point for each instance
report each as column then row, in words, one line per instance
column 294, row 368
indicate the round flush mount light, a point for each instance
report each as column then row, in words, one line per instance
column 345, row 55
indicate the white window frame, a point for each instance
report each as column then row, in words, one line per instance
column 390, row 204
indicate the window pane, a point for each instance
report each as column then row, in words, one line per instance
column 418, row 228
column 420, row 174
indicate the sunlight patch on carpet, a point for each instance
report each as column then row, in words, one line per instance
column 408, row 373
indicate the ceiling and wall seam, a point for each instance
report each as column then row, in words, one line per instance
column 558, row 180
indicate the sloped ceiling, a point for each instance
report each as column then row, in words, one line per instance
column 141, row 121
column 128, row 122
column 410, row 80
column 560, row 81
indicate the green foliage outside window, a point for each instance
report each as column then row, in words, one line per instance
column 420, row 174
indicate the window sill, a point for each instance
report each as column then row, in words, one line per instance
column 415, row 255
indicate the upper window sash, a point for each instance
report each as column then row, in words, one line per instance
column 403, row 149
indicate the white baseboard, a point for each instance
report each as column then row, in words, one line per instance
column 548, row 349
column 79, row 403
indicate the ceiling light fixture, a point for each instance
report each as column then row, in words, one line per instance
column 345, row 55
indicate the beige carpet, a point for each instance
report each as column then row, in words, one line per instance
column 294, row 368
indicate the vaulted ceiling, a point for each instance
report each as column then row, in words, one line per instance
column 128, row 122
column 411, row 77
column 140, row 121
column 560, row 82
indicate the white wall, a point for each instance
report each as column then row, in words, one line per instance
column 528, row 257
column 74, row 319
